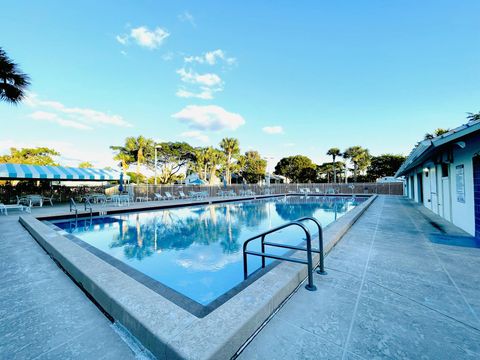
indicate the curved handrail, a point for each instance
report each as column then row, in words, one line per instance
column 310, row 286
column 321, row 265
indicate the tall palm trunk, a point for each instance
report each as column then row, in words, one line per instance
column 334, row 171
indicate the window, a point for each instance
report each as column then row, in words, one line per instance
column 444, row 170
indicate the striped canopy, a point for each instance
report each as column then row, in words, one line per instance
column 22, row 171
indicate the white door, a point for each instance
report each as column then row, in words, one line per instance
column 446, row 198
column 433, row 190
column 426, row 190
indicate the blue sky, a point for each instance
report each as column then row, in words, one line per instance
column 285, row 77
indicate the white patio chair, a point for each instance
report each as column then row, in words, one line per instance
column 169, row 196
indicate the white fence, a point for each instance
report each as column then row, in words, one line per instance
column 143, row 190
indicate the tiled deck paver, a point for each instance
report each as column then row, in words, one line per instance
column 43, row 314
column 397, row 287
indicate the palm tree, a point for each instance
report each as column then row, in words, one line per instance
column 231, row 148
column 360, row 158
column 136, row 150
column 437, row 132
column 334, row 152
column 473, row 117
column 124, row 159
column 13, row 83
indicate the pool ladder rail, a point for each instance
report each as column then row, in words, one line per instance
column 309, row 262
column 73, row 208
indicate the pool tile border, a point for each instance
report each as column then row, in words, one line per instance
column 166, row 329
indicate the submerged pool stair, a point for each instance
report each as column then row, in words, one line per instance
column 309, row 262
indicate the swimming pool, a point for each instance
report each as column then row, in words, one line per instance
column 196, row 251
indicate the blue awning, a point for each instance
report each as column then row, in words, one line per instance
column 37, row 172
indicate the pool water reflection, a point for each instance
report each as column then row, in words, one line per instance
column 197, row 250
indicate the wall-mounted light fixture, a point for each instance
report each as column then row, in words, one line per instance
column 461, row 144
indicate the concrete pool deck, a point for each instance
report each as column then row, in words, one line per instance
column 398, row 287
column 43, row 314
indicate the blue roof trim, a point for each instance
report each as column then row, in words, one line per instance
column 25, row 171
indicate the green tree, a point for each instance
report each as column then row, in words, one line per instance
column 436, row 132
column 334, row 153
column 172, row 157
column 252, row 167
column 231, row 148
column 31, row 156
column 214, row 159
column 293, row 167
column 473, row 116
column 85, row 164
column 13, row 83
column 384, row 165
column 360, row 158
column 137, row 150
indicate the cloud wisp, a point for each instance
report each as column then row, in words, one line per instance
column 74, row 117
column 273, row 130
column 196, row 135
column 209, row 117
column 211, row 58
column 187, row 17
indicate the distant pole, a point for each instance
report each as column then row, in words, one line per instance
column 155, row 165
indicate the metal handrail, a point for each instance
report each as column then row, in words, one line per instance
column 321, row 264
column 310, row 286
column 73, row 206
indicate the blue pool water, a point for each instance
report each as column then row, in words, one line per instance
column 197, row 250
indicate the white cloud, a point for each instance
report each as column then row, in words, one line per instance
column 147, row 38
column 211, row 58
column 209, row 117
column 289, row 144
column 187, row 17
column 273, row 129
column 72, row 116
column 190, row 76
column 54, row 118
column 196, row 135
column 144, row 37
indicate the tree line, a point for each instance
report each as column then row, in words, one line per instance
column 356, row 160
column 175, row 160
column 178, row 159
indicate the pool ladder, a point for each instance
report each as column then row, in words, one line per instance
column 73, row 208
column 299, row 223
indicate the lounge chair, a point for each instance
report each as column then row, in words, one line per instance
column 4, row 208
column 169, row 196
column 181, row 195
column 158, row 196
column 48, row 199
column 317, row 191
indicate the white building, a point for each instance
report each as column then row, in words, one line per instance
column 442, row 174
